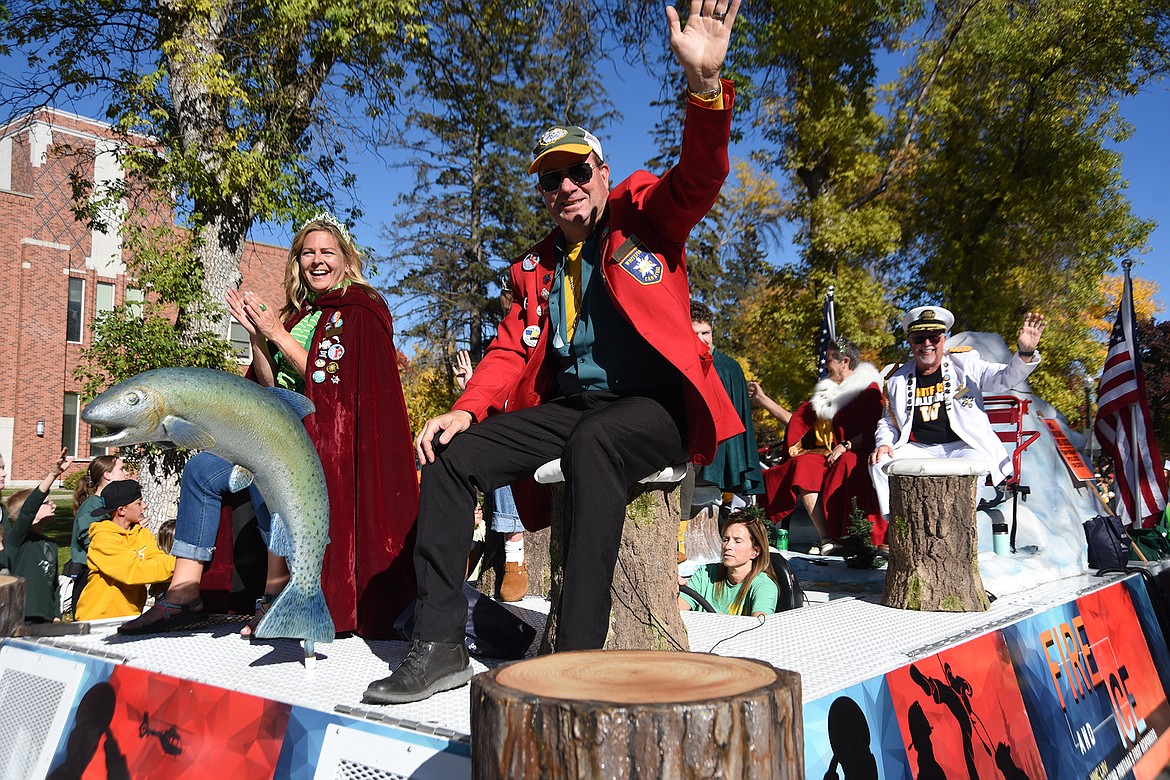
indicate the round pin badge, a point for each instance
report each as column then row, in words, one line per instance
column 320, row 363
column 531, row 335
column 529, row 262
column 332, row 368
column 318, row 376
column 336, row 352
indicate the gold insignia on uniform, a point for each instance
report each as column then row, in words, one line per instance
column 927, row 314
column 964, row 348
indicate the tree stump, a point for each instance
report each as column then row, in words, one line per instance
column 934, row 545
column 636, row 713
column 645, row 614
column 12, row 595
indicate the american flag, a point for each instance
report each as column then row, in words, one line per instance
column 1123, row 424
column 828, row 335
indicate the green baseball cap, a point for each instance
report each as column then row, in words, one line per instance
column 565, row 138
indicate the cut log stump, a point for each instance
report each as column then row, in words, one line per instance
column 934, row 545
column 637, row 714
column 644, row 614
column 12, row 594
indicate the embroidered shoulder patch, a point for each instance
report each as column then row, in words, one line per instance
column 643, row 265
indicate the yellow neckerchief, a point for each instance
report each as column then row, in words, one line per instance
column 572, row 284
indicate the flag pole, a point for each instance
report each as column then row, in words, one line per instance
column 1133, row 421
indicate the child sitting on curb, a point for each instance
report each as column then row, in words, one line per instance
column 30, row 555
column 123, row 557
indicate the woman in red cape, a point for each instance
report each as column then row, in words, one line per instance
column 828, row 437
column 334, row 342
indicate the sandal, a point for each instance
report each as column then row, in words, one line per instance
column 262, row 606
column 164, row 616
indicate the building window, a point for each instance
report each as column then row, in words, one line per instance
column 241, row 342
column 69, row 424
column 76, row 298
column 133, row 301
column 105, row 297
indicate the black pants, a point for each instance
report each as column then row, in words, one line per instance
column 606, row 442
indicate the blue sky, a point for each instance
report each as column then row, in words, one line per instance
column 1145, row 164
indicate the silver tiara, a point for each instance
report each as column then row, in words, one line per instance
column 329, row 219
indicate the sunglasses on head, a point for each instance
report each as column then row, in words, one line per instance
column 578, row 173
column 922, row 338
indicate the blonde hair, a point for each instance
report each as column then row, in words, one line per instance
column 166, row 535
column 16, row 502
column 296, row 292
column 762, row 564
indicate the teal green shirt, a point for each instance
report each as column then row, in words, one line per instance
column 287, row 376
column 79, row 541
column 762, row 595
column 606, row 352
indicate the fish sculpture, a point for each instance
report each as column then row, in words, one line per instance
column 258, row 430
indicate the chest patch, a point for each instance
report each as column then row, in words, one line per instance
column 643, row 265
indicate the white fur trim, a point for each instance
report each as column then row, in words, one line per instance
column 828, row 397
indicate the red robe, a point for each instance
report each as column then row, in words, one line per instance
column 643, row 259
column 361, row 431
column 368, row 572
column 854, row 406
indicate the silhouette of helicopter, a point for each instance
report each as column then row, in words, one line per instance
column 168, row 739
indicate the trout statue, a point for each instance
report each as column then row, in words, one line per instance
column 259, row 430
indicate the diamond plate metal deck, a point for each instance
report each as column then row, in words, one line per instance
column 831, row 645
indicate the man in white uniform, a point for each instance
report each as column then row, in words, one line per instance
column 934, row 405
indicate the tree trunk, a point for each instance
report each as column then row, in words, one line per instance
column 12, row 595
column 934, row 545
column 160, row 490
column 636, row 713
column 645, row 614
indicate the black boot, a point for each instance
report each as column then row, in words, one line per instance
column 428, row 668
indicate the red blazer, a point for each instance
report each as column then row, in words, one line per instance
column 643, row 251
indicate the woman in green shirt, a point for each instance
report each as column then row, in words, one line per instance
column 743, row 583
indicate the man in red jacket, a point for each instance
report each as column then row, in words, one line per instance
column 595, row 364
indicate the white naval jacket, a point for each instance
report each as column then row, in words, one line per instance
column 966, row 377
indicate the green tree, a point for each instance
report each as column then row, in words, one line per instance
column 229, row 113
column 980, row 177
column 490, row 78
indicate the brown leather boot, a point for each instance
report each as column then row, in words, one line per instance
column 514, row 585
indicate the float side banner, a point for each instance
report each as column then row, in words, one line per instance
column 961, row 713
column 855, row 732
column 1093, row 694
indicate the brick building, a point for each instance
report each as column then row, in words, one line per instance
column 57, row 276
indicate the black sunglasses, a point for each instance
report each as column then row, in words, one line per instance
column 922, row 338
column 578, row 173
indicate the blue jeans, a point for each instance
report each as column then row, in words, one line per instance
column 505, row 516
column 201, row 491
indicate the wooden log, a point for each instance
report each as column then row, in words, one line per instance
column 644, row 614
column 934, row 545
column 12, row 595
column 636, row 714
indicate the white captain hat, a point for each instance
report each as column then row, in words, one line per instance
column 927, row 318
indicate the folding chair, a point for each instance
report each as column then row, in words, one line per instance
column 1007, row 414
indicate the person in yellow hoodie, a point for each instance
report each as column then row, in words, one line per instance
column 123, row 557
